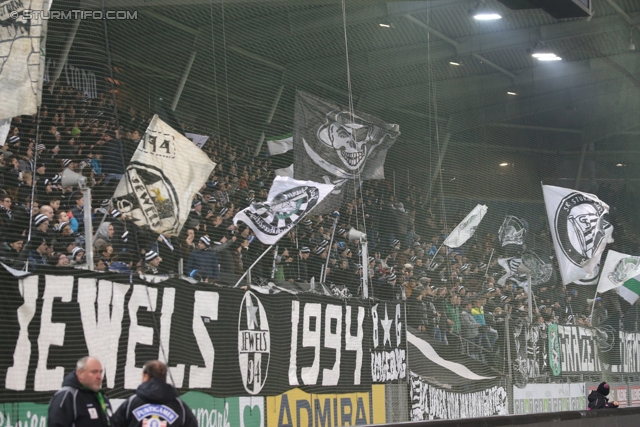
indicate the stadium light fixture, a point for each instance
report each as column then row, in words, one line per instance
column 486, row 16
column 385, row 25
column 504, row 164
column 455, row 63
column 512, row 92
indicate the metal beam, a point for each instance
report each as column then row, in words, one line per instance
column 175, row 24
column 618, row 9
column 535, row 128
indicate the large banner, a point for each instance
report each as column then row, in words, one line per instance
column 221, row 341
column 297, row 408
column 433, row 403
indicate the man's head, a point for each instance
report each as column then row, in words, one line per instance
column 89, row 372
column 154, row 370
column 47, row 211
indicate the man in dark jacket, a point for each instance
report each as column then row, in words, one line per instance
column 204, row 261
column 80, row 402
column 598, row 398
column 155, row 402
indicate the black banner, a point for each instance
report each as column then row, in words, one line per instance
column 222, row 341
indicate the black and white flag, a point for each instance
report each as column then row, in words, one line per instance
column 161, row 180
column 466, row 228
column 513, row 231
column 331, row 145
column 510, row 266
column 288, row 202
column 579, row 230
column 20, row 63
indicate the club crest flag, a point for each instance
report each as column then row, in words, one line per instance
column 466, row 228
column 333, row 145
column 513, row 231
column 161, row 180
column 621, row 271
column 20, row 62
column 579, row 230
column 510, row 266
column 289, row 201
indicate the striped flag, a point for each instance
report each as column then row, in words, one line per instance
column 622, row 272
column 288, row 202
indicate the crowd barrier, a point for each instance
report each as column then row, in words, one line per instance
column 244, row 358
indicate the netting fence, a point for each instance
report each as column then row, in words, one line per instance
column 444, row 331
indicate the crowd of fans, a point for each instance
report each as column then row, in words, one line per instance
column 452, row 295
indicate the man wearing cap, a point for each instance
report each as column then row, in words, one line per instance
column 151, row 262
column 38, row 255
column 302, row 267
column 11, row 247
column 203, row 261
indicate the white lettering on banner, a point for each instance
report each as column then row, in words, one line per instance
column 168, row 303
column 205, row 305
column 631, row 358
column 76, row 77
column 579, row 350
column 17, row 374
column 354, row 343
column 212, row 418
column 311, row 337
column 388, row 363
column 102, row 330
column 430, row 403
column 332, row 320
column 142, row 296
column 293, row 358
column 51, row 333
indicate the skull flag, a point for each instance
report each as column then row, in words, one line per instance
column 333, row 146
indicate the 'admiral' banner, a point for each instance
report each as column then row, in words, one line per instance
column 221, row 341
column 579, row 230
column 333, row 145
column 288, row 202
column 297, row 408
column 161, row 180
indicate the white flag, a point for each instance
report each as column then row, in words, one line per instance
column 510, row 266
column 280, row 144
column 466, row 228
column 5, row 127
column 199, row 140
column 161, row 180
column 579, row 230
column 20, row 68
column 619, row 270
column 288, row 202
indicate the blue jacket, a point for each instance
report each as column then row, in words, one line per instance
column 206, row 262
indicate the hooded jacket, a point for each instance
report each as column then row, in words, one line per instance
column 154, row 399
column 598, row 398
column 74, row 405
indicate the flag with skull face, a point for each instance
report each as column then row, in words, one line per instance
column 333, row 146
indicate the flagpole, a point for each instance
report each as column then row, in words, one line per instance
column 593, row 307
column 323, row 274
column 253, row 265
column 489, row 263
column 273, row 266
column 436, row 254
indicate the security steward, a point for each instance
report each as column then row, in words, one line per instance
column 155, row 403
column 79, row 402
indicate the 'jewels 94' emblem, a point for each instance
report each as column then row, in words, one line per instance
column 254, row 343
